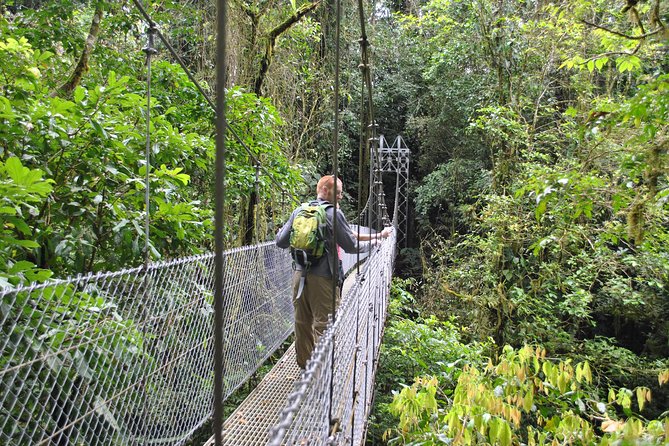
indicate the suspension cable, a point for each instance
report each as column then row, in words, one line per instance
column 211, row 103
column 335, row 172
column 150, row 51
column 365, row 108
column 256, row 204
column 365, row 64
column 362, row 147
column 364, row 68
column 219, row 225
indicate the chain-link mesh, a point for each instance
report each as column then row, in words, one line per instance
column 330, row 402
column 126, row 357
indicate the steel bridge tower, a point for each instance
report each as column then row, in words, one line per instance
column 395, row 159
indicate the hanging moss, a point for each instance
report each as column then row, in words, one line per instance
column 635, row 219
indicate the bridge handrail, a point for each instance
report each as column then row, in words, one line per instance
column 126, row 357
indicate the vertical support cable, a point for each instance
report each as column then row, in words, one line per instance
column 372, row 171
column 377, row 172
column 368, row 385
column 361, row 149
column 356, row 351
column 219, row 226
column 375, row 325
column 256, row 228
column 364, row 141
column 335, row 172
column 357, row 259
column 149, row 50
column 376, row 175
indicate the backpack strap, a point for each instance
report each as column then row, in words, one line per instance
column 303, row 276
column 325, row 205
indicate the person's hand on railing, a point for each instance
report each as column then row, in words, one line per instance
column 386, row 232
column 377, row 239
column 379, row 236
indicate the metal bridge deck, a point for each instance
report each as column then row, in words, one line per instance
column 250, row 423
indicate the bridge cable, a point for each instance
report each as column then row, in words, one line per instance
column 374, row 172
column 211, row 103
column 335, row 172
column 256, row 204
column 219, row 225
column 363, row 148
column 150, row 51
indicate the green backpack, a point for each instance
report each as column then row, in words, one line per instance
column 309, row 232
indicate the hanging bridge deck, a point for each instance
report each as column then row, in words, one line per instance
column 249, row 424
column 140, row 349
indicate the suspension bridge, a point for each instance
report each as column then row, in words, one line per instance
column 125, row 357
column 147, row 355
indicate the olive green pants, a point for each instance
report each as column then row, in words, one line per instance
column 312, row 310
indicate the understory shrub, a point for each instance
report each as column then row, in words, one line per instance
column 525, row 397
column 414, row 345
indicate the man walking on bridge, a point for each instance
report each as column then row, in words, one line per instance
column 312, row 280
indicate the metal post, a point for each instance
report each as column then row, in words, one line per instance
column 219, row 265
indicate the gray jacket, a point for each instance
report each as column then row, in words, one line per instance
column 345, row 240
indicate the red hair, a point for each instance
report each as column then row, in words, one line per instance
column 327, row 183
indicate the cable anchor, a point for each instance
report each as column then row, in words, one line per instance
column 149, row 49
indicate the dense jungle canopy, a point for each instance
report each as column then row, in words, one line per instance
column 538, row 130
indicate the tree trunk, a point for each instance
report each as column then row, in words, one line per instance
column 82, row 66
column 249, row 233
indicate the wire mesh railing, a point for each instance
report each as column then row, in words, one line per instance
column 126, row 357
column 318, row 414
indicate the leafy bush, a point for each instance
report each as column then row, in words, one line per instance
column 570, row 244
column 413, row 345
column 524, row 398
column 23, row 191
column 446, row 195
column 91, row 148
column 556, row 277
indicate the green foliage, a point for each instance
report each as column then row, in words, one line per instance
column 615, row 41
column 448, row 192
column 568, row 246
column 429, row 58
column 538, row 261
column 101, row 130
column 23, row 191
column 414, row 345
column 91, row 149
column 523, row 397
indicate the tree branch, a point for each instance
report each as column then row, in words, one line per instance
column 626, row 36
column 612, row 53
column 293, row 19
column 271, row 41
